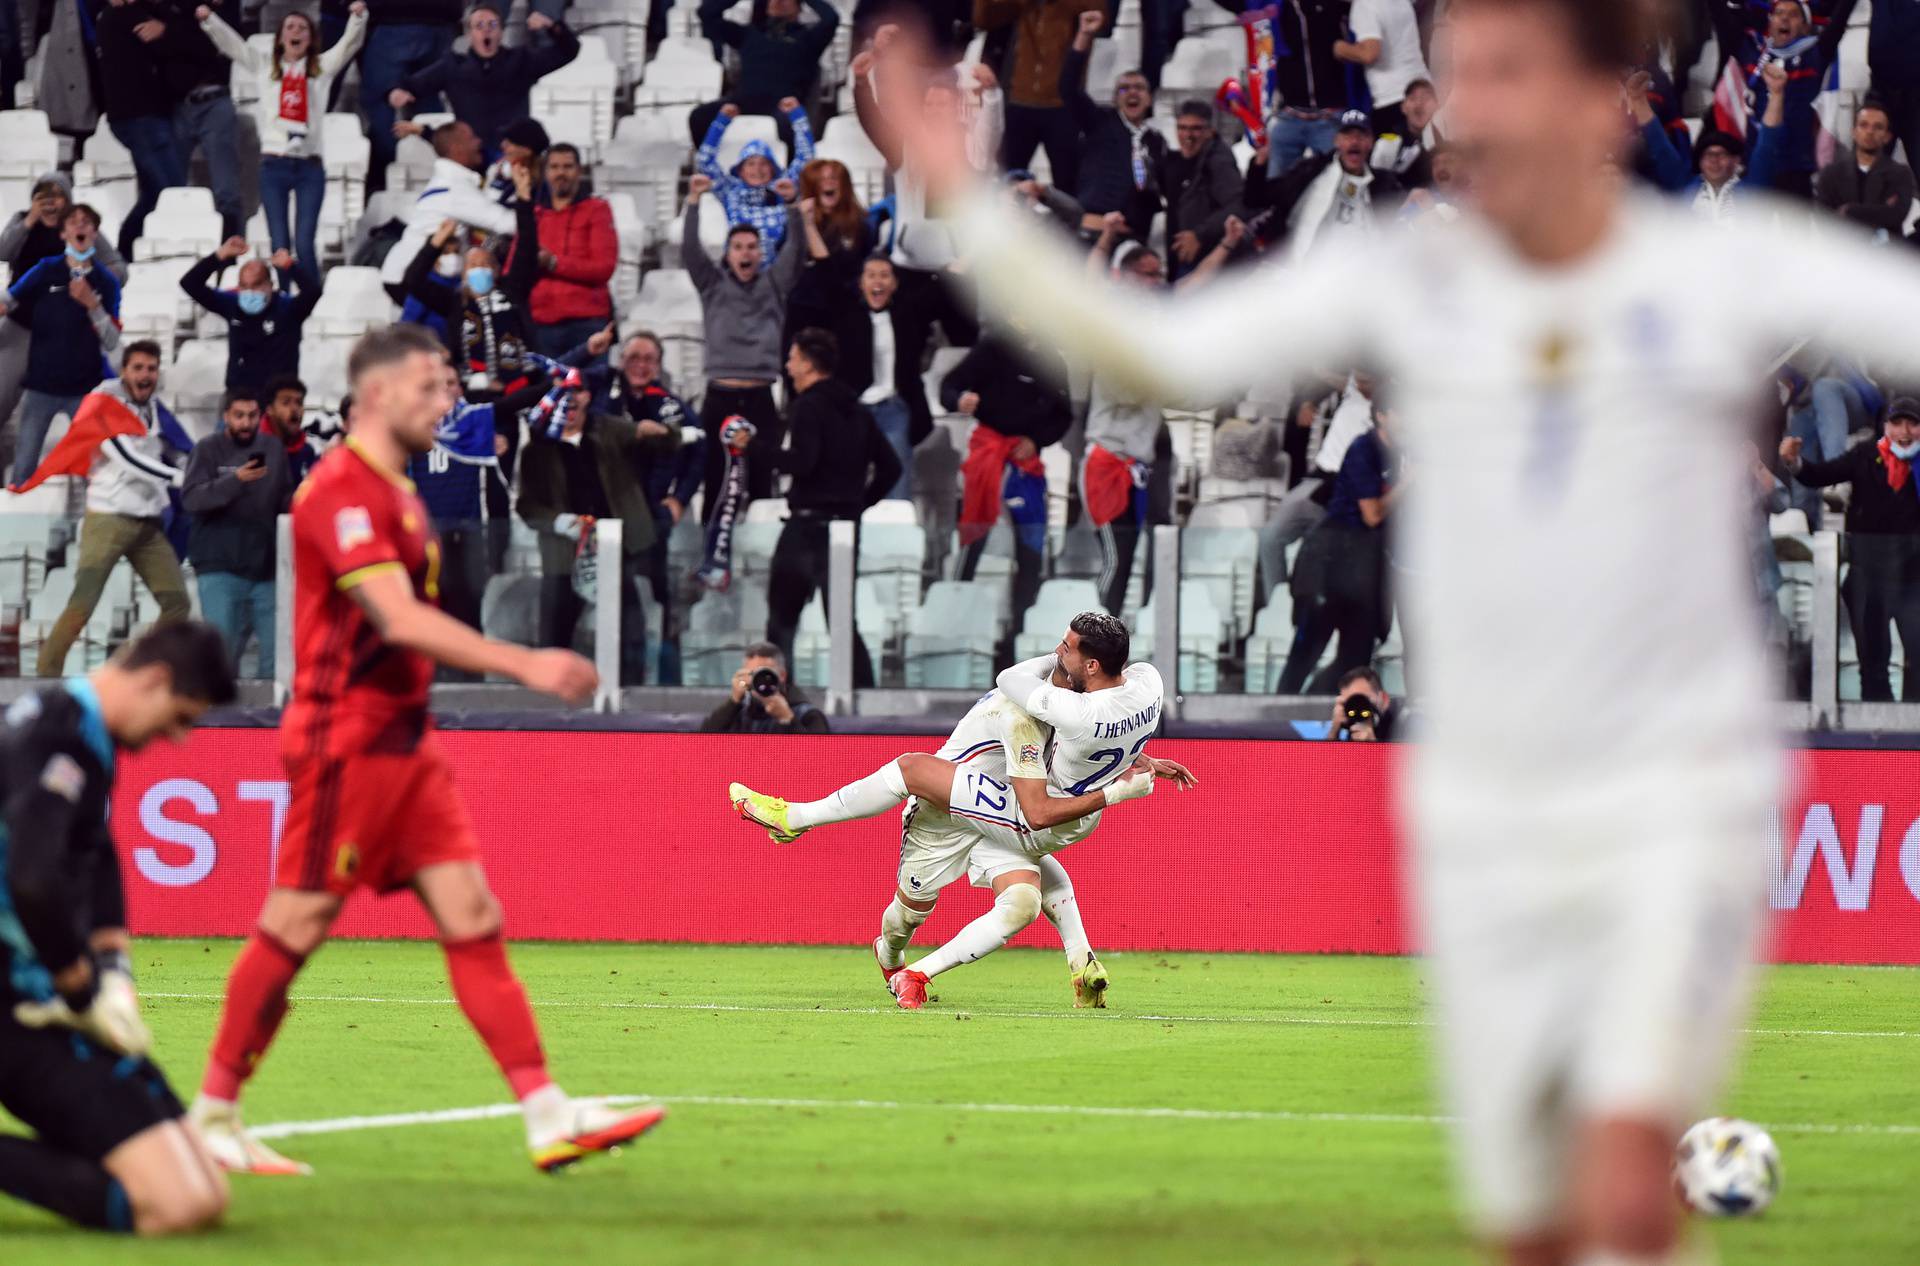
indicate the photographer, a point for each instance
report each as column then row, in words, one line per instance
column 763, row 700
column 1363, row 712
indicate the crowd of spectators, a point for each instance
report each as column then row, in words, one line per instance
column 821, row 316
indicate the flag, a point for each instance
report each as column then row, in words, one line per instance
column 1730, row 100
column 99, row 418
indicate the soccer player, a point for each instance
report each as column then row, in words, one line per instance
column 999, row 831
column 373, row 798
column 1592, row 874
column 110, row 1149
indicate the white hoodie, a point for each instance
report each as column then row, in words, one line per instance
column 278, row 137
column 130, row 475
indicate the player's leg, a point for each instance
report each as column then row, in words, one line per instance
column 1677, row 955
column 933, row 853
column 886, row 788
column 110, row 1149
column 1058, row 903
column 292, row 924
column 1016, row 903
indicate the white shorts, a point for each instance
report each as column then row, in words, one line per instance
column 983, row 842
column 1597, row 970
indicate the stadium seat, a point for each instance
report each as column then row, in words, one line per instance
column 845, row 140
column 575, row 102
column 668, row 296
column 630, row 230
column 1201, row 630
column 720, row 627
column 348, row 152
column 183, row 225
column 891, row 556
column 951, row 638
column 107, row 162
column 196, row 378
column 714, row 224
column 1271, row 641
column 352, row 301
column 1200, row 65
column 323, row 365
column 112, row 201
column 1224, row 558
column 751, row 127
column 1052, row 610
column 28, row 151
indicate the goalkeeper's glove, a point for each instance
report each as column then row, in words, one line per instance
column 110, row 1017
column 1136, row 783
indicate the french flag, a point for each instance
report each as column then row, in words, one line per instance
column 99, row 418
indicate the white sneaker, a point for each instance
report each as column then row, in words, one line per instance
column 593, row 1127
column 238, row 1151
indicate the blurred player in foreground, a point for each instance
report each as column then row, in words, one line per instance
column 1026, row 773
column 1591, row 874
column 374, row 803
column 110, row 1149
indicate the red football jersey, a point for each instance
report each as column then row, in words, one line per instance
column 352, row 691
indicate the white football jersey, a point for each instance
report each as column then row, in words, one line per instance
column 1577, row 444
column 1098, row 734
column 997, row 739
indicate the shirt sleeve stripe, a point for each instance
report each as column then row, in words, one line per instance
column 359, row 574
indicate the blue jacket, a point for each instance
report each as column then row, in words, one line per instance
column 1763, row 160
column 757, row 205
column 452, row 476
column 1807, row 61
column 259, row 348
column 64, row 356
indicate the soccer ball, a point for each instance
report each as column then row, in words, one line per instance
column 1727, row 1168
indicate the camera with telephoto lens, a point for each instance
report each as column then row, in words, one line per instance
column 765, row 682
column 1357, row 709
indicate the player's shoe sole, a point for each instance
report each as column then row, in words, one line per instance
column 570, row 1151
column 1090, row 985
column 766, row 811
column 909, row 988
column 886, row 973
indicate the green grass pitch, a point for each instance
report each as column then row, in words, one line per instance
column 814, row 1124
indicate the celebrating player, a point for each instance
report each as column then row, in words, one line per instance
column 1592, row 874
column 110, row 1149
column 373, row 797
column 999, row 831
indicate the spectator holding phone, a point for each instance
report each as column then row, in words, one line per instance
column 235, row 486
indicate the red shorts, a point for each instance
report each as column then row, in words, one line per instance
column 371, row 820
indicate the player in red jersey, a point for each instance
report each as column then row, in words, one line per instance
column 373, row 798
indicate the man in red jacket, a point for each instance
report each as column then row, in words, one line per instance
column 578, row 251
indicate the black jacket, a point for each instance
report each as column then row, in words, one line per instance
column 486, row 335
column 1879, row 197
column 414, row 13
column 188, row 59
column 909, row 352
column 748, row 717
column 839, row 460
column 131, row 83
column 1877, row 509
column 489, row 94
column 777, row 59
column 1309, row 75
column 62, row 876
column 259, row 348
column 1282, row 193
column 1022, row 390
column 233, row 520
column 1202, row 192
column 1106, row 153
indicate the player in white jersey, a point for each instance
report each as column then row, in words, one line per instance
column 1000, row 831
column 1575, row 367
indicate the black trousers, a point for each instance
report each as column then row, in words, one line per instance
column 1029, row 568
column 800, row 563
column 561, row 609
column 1902, row 101
column 755, row 404
column 465, row 565
column 1029, row 128
column 1883, row 588
column 929, row 298
column 1339, row 587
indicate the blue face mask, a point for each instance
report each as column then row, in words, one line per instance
column 253, row 302
column 1905, row 452
column 80, row 256
column 480, row 280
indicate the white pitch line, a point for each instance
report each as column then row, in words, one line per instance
column 1309, row 1021
column 291, row 1129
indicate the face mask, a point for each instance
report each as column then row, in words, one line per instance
column 447, row 266
column 253, row 302
column 1905, row 452
column 80, row 256
column 480, row 280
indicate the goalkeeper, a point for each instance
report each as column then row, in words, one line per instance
column 109, row 1148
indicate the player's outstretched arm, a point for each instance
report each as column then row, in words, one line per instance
column 387, row 598
column 1042, row 810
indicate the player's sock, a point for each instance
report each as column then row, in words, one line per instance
column 548, row 1114
column 1057, row 903
column 1012, row 910
column 497, row 1008
column 75, row 1189
column 896, row 929
column 256, row 1003
column 885, row 788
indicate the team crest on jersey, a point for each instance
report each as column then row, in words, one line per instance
column 352, row 527
column 346, row 861
column 64, row 777
column 1030, row 753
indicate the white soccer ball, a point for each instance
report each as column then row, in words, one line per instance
column 1727, row 1168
